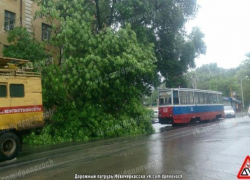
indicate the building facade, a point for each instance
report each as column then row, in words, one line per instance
column 21, row 13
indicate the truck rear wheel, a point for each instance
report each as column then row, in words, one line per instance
column 9, row 144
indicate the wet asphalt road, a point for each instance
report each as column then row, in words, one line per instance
column 214, row 150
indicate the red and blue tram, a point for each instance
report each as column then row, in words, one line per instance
column 182, row 106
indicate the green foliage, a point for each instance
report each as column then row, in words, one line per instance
column 111, row 53
column 242, row 72
column 151, row 99
column 97, row 90
column 163, row 23
column 91, row 122
column 211, row 77
column 227, row 81
column 158, row 22
column 175, row 50
column 24, row 46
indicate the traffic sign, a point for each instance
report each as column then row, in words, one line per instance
column 244, row 172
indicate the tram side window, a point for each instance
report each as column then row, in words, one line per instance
column 218, row 99
column 221, row 101
column 201, row 97
column 190, row 98
column 205, row 98
column 165, row 98
column 3, row 91
column 161, row 101
column 16, row 90
column 168, row 100
column 210, row 97
column 215, row 99
column 183, row 97
column 176, row 97
column 196, row 98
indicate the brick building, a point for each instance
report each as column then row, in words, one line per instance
column 21, row 13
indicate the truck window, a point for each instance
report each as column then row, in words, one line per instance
column 16, row 90
column 3, row 91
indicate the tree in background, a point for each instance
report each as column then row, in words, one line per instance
column 212, row 77
column 24, row 46
column 163, row 23
column 152, row 99
column 159, row 22
column 243, row 71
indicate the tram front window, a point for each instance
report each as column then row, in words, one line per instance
column 165, row 98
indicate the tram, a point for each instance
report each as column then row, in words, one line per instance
column 183, row 106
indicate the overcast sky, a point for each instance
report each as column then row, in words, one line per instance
column 226, row 25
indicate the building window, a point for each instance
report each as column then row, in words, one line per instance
column 16, row 90
column 3, row 91
column 5, row 46
column 9, row 20
column 46, row 31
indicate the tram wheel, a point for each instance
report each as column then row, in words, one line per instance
column 193, row 122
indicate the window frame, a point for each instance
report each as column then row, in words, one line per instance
column 210, row 98
column 6, row 85
column 9, row 21
column 46, row 29
column 181, row 96
column 5, row 46
column 165, row 99
column 202, row 97
column 196, row 98
column 221, row 100
column 215, row 99
column 190, row 97
column 18, row 96
column 174, row 97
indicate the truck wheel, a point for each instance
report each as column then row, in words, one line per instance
column 9, row 144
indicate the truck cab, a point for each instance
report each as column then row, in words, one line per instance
column 21, row 107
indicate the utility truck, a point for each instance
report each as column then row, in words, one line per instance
column 21, row 107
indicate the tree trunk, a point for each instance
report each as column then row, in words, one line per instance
column 112, row 13
column 99, row 26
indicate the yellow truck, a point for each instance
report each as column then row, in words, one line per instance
column 21, row 107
